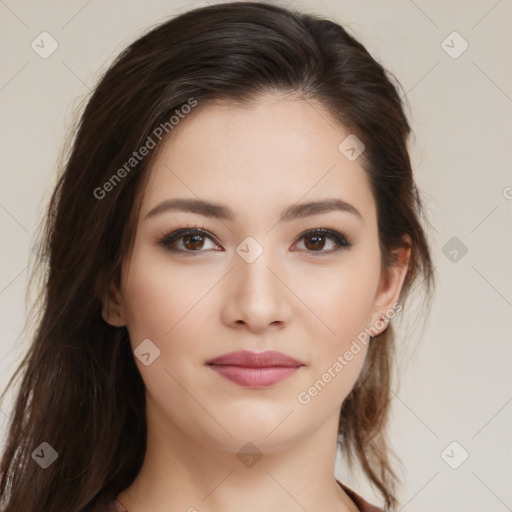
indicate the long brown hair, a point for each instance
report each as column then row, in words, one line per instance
column 81, row 391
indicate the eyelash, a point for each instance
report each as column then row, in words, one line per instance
column 169, row 237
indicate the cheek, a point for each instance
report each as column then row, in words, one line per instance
column 163, row 304
column 343, row 298
column 148, row 304
column 158, row 296
column 342, row 303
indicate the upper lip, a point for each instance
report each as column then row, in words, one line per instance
column 256, row 359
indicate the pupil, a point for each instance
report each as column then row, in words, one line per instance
column 194, row 239
column 318, row 240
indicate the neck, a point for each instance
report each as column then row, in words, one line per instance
column 181, row 473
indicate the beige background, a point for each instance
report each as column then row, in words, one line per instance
column 456, row 386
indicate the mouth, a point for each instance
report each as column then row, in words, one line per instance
column 255, row 370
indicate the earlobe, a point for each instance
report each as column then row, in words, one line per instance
column 112, row 308
column 390, row 286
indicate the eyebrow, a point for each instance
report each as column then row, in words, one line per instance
column 221, row 212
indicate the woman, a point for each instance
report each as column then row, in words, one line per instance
column 234, row 229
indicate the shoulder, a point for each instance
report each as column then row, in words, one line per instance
column 361, row 504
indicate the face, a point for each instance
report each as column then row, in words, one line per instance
column 256, row 272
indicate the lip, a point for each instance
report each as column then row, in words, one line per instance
column 255, row 369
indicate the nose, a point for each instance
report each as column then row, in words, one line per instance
column 257, row 294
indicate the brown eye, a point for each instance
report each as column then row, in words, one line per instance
column 316, row 241
column 191, row 241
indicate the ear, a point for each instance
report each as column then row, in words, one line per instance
column 390, row 286
column 113, row 309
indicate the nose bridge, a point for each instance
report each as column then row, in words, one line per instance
column 257, row 261
column 259, row 293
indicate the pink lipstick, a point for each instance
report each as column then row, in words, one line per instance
column 255, row 369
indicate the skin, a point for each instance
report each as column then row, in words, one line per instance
column 257, row 160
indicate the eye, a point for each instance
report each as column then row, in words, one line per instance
column 315, row 240
column 192, row 240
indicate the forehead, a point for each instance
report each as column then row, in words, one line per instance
column 269, row 153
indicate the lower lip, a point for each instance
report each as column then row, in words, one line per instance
column 254, row 377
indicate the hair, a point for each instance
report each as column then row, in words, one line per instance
column 81, row 391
